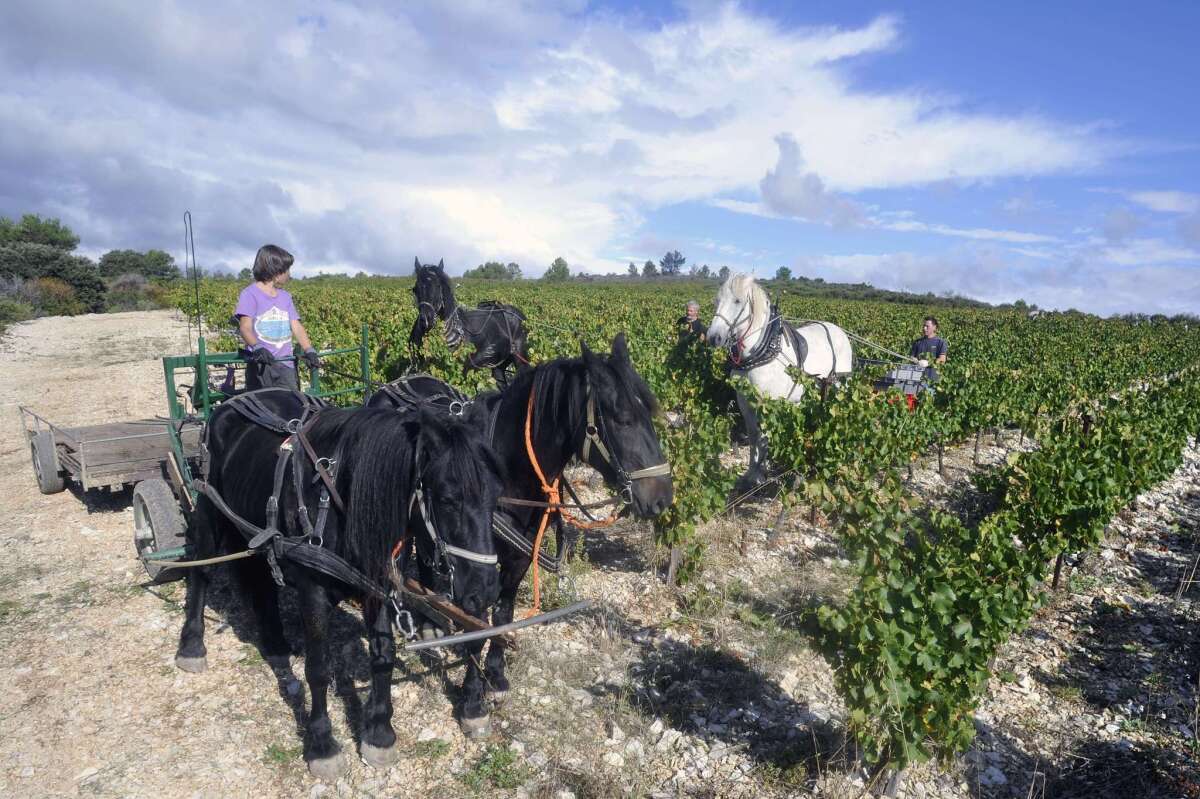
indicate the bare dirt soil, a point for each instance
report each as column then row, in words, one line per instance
column 714, row 690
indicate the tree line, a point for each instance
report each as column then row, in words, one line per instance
column 42, row 275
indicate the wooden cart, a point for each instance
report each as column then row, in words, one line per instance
column 156, row 456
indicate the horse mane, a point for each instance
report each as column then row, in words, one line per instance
column 562, row 383
column 377, row 473
column 449, row 303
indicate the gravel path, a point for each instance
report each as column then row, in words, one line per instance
column 712, row 691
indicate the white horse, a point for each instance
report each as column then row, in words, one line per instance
column 761, row 348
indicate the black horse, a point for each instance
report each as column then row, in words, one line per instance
column 595, row 407
column 420, row 477
column 495, row 329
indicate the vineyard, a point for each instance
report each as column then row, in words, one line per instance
column 1108, row 406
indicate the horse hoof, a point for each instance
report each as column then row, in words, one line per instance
column 191, row 665
column 378, row 757
column 477, row 728
column 498, row 697
column 327, row 769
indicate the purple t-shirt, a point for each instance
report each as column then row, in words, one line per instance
column 272, row 318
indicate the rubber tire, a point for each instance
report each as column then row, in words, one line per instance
column 45, row 463
column 158, row 525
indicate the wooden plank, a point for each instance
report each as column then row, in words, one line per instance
column 149, row 465
column 420, row 595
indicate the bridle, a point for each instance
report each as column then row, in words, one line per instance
column 442, row 564
column 593, row 435
column 733, row 336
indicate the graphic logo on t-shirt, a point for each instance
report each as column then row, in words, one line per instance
column 274, row 327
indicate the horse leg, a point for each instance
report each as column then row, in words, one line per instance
column 321, row 751
column 758, row 445
column 259, row 587
column 476, row 723
column 191, row 654
column 378, row 738
column 512, row 571
column 566, row 538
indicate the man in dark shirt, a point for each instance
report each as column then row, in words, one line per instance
column 929, row 349
column 690, row 325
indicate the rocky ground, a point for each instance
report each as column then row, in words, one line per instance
column 715, row 690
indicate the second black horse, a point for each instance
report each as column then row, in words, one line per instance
column 497, row 330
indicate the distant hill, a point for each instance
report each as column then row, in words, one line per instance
column 815, row 287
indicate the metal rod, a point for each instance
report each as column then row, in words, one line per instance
column 166, row 554
column 188, row 564
column 491, row 632
column 364, row 363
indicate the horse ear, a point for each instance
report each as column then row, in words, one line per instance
column 416, row 264
column 620, row 349
column 476, row 414
column 441, row 264
column 589, row 358
column 432, row 421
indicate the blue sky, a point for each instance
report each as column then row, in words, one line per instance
column 1049, row 152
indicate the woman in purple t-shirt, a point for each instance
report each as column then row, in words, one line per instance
column 267, row 320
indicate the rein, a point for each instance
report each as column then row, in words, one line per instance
column 554, row 504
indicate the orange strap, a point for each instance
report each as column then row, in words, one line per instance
column 553, row 499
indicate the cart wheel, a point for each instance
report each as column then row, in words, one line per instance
column 158, row 525
column 45, row 462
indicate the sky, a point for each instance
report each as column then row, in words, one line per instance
column 1047, row 152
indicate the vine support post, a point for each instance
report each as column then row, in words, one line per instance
column 997, row 435
column 1058, row 564
column 941, row 452
column 978, row 435
column 673, row 566
column 774, row 534
column 895, row 783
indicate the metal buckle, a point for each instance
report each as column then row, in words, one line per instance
column 292, row 426
column 457, row 407
column 592, row 431
column 627, row 493
column 402, row 620
column 326, row 463
column 316, row 540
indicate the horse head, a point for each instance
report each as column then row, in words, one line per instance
column 461, row 481
column 738, row 307
column 619, row 437
column 432, row 291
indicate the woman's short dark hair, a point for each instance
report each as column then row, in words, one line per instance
column 271, row 262
column 930, row 319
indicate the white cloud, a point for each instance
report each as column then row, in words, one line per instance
column 1173, row 202
column 899, row 221
column 1143, row 252
column 981, row 234
column 372, row 132
column 791, row 191
column 994, row 276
